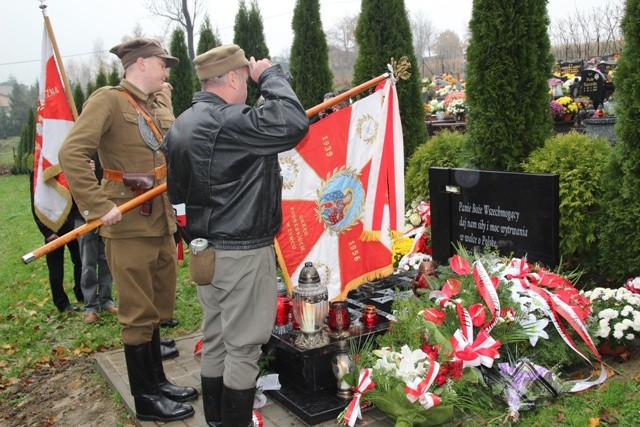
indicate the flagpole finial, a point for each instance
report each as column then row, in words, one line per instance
column 401, row 68
column 42, row 5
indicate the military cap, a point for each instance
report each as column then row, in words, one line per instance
column 219, row 60
column 141, row 47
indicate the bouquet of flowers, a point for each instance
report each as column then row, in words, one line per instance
column 456, row 106
column 436, row 106
column 487, row 327
column 569, row 105
column 616, row 312
column 557, row 110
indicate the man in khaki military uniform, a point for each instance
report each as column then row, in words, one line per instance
column 124, row 125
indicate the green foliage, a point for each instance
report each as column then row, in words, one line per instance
column 78, row 97
column 23, row 162
column 249, row 35
column 383, row 32
column 90, row 89
column 620, row 242
column 114, row 76
column 181, row 75
column 22, row 98
column 309, row 61
column 207, row 41
column 101, row 79
column 580, row 161
column 446, row 149
column 508, row 62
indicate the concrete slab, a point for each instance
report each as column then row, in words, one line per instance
column 185, row 371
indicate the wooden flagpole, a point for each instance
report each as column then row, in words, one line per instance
column 156, row 191
column 56, row 53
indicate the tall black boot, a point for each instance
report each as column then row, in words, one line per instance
column 212, row 400
column 237, row 407
column 172, row 391
column 151, row 404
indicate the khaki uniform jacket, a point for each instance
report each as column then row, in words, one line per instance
column 109, row 125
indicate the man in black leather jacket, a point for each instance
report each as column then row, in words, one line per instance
column 222, row 158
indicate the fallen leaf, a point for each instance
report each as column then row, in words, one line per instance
column 49, row 421
column 593, row 422
column 560, row 416
column 606, row 417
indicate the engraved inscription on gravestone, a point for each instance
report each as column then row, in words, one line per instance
column 592, row 85
column 516, row 213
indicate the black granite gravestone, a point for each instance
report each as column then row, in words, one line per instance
column 568, row 67
column 516, row 213
column 592, row 84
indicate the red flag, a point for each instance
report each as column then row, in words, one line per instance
column 51, row 196
column 325, row 203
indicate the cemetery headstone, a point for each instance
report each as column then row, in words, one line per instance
column 592, row 84
column 569, row 67
column 516, row 213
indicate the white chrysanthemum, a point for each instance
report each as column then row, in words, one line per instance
column 608, row 313
column 618, row 334
column 629, row 336
column 626, row 310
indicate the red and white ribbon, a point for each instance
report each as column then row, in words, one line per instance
column 488, row 293
column 365, row 382
column 482, row 351
column 417, row 390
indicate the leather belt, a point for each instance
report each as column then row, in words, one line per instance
column 113, row 175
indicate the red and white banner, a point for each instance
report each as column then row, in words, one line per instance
column 51, row 196
column 343, row 192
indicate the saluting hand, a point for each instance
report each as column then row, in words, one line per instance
column 256, row 68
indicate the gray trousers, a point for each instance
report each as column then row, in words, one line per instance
column 239, row 308
column 96, row 277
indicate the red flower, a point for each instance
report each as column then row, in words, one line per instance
column 478, row 315
column 434, row 315
column 452, row 287
column 430, row 351
column 460, row 265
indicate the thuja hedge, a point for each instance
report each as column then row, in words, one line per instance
column 580, row 162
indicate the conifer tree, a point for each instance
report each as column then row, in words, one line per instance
column 384, row 32
column 78, row 97
column 309, row 60
column 114, row 76
column 101, row 79
column 208, row 40
column 249, row 35
column 620, row 237
column 23, row 162
column 181, row 75
column 508, row 62
column 90, row 89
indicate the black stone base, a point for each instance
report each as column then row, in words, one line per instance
column 313, row 407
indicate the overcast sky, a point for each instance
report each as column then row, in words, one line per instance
column 81, row 25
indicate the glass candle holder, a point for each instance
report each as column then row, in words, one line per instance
column 339, row 319
column 369, row 318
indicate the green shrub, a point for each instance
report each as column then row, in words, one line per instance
column 619, row 242
column 580, row 161
column 446, row 149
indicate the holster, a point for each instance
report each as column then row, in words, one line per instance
column 140, row 182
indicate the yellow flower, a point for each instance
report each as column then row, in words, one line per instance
column 401, row 247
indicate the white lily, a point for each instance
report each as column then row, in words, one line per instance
column 535, row 328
